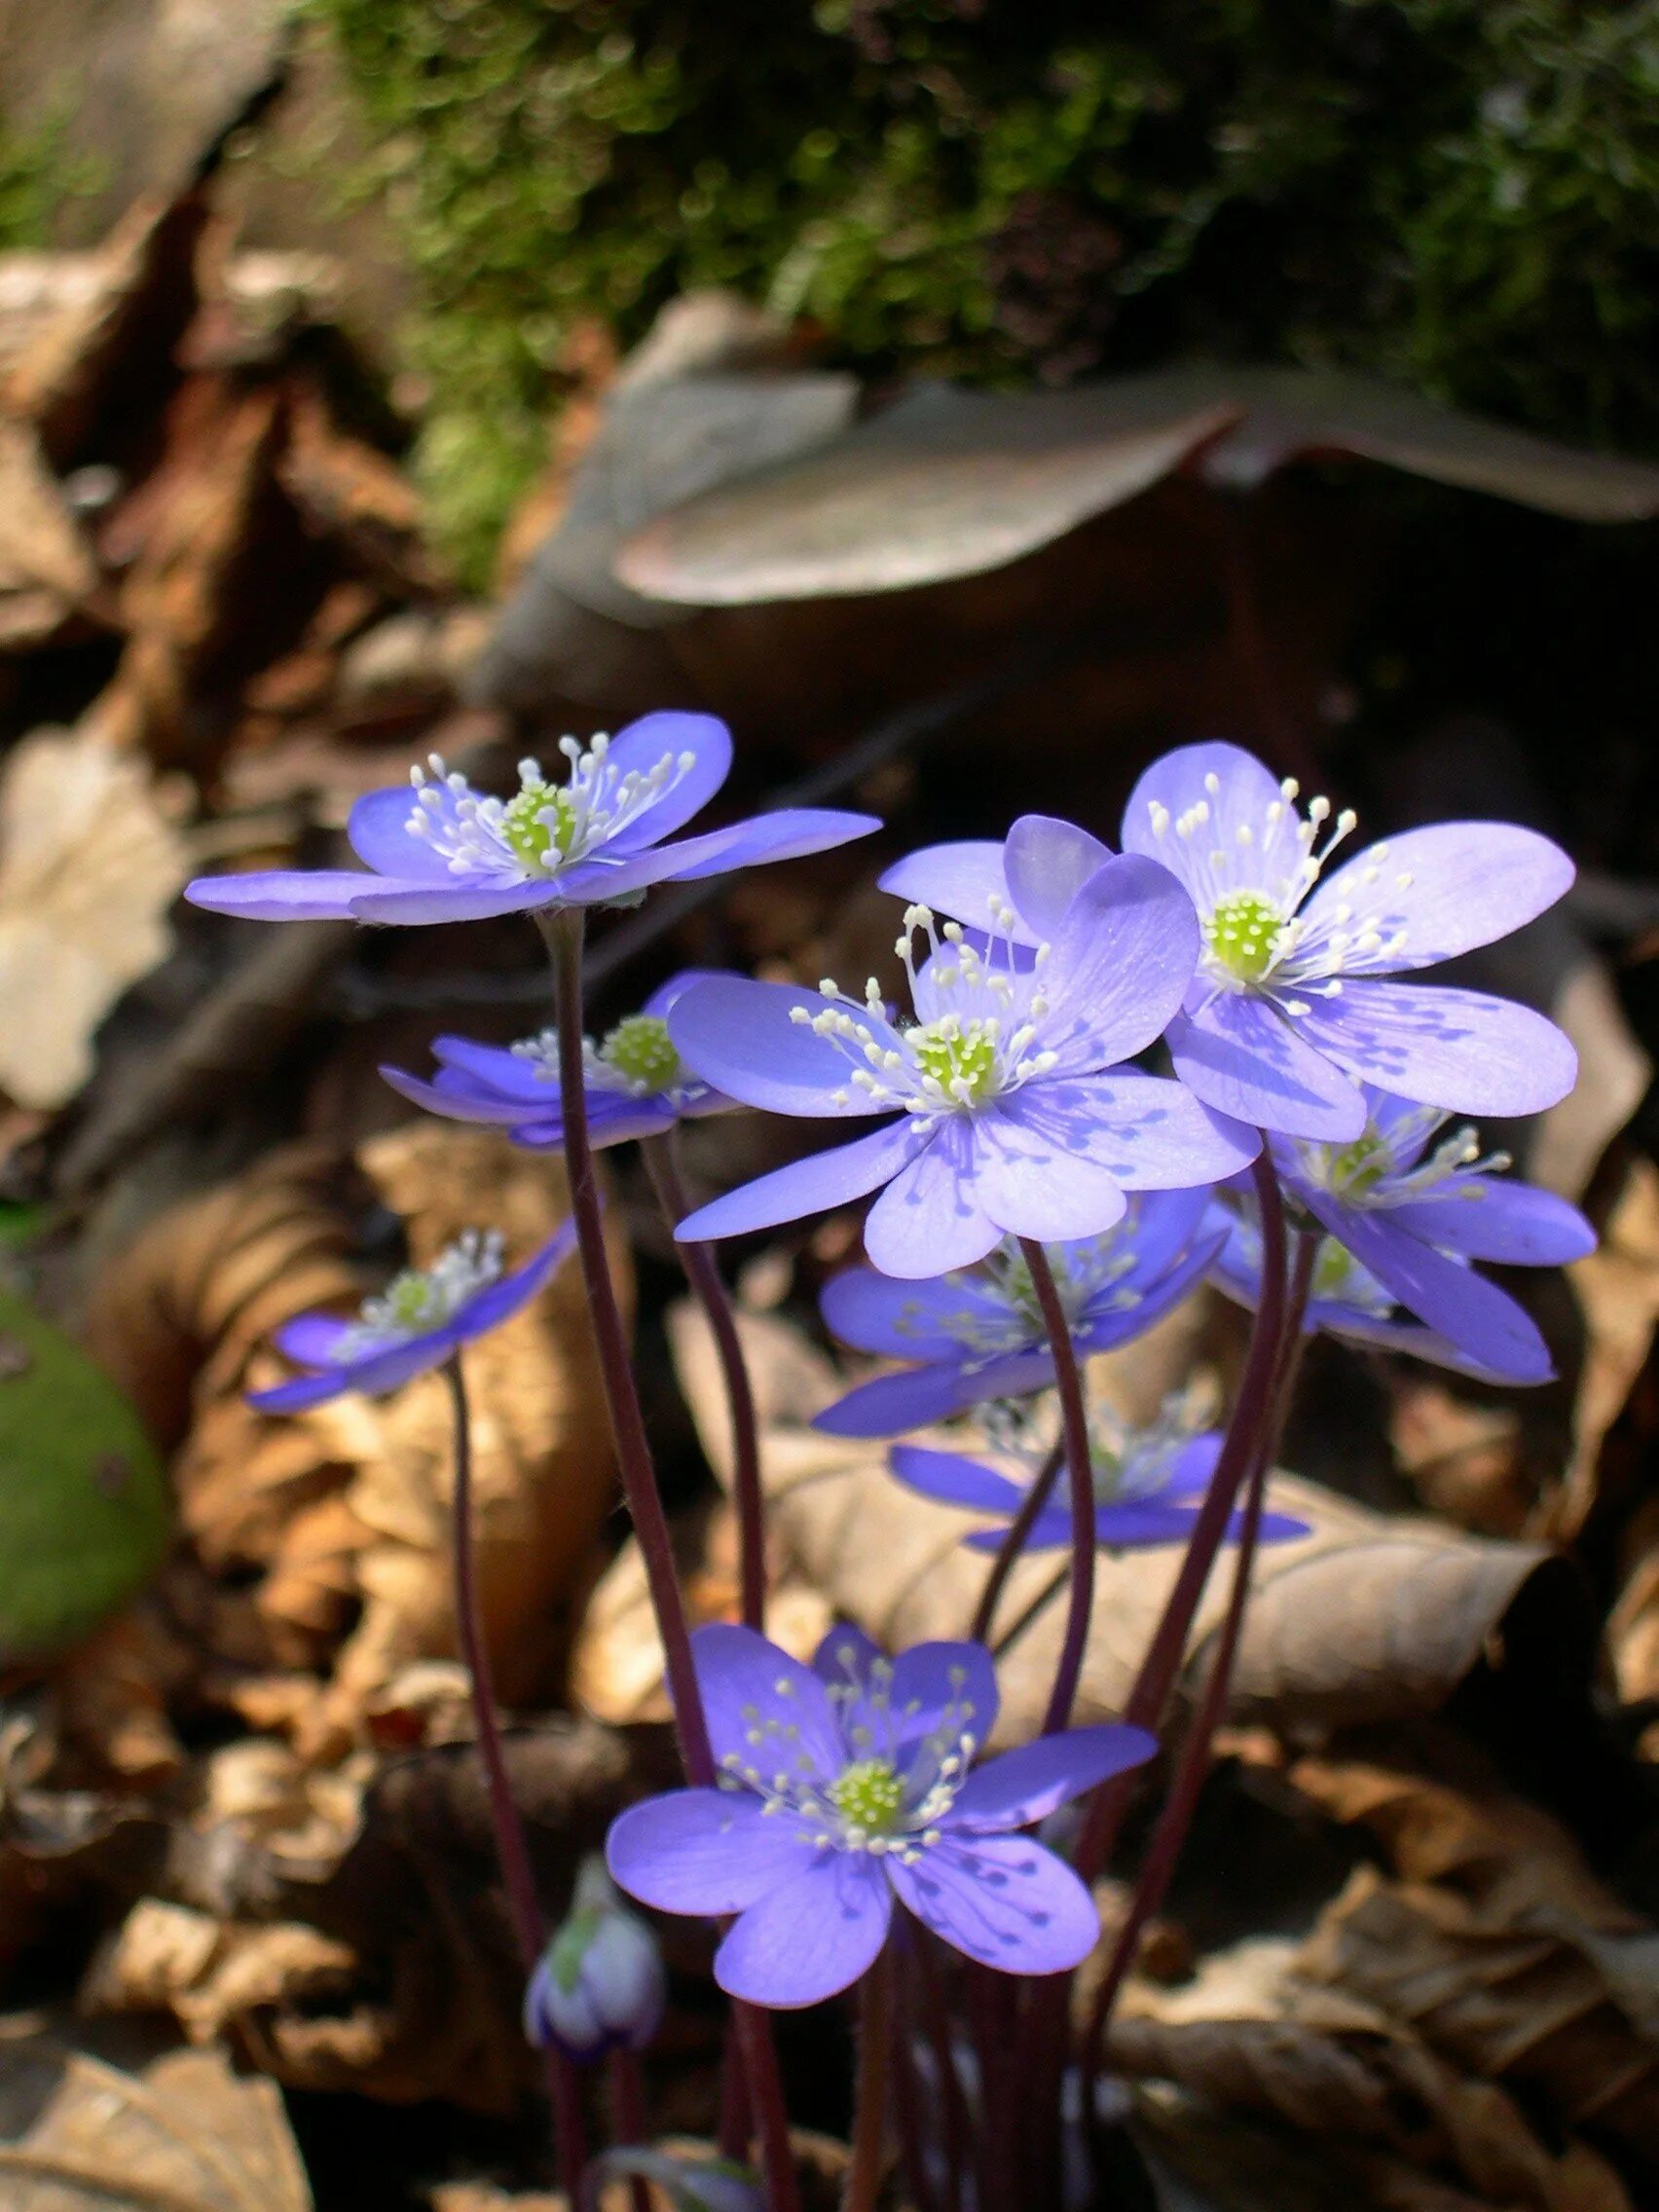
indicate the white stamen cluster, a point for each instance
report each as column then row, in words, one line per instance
column 545, row 827
column 423, row 1299
column 1250, row 885
column 1088, row 1274
column 884, row 1798
column 1366, row 1173
column 977, row 1038
column 635, row 1059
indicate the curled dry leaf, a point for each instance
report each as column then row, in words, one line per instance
column 141, row 2131
column 1249, row 2034
column 1367, row 1617
column 949, row 483
column 47, row 569
column 89, row 866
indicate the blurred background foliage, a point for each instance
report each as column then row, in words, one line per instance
column 1460, row 193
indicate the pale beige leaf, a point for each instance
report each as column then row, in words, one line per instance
column 88, row 866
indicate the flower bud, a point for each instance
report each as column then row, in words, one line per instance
column 600, row 1981
column 690, row 2185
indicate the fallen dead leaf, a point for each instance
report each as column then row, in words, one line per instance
column 174, row 2133
column 47, row 569
column 89, row 866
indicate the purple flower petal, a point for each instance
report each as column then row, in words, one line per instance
column 1031, row 1166
column 929, row 1678
column 847, row 1655
column 494, row 1068
column 1461, row 1049
column 1151, row 1133
column 1449, row 887
column 410, row 905
column 704, row 1851
column 497, row 1299
column 1120, row 965
column 1193, row 1466
column 641, row 746
column 1047, row 863
column 378, row 827
column 1180, row 782
column 890, row 1405
column 785, row 833
column 373, row 1377
column 961, row 880
column 810, row 1938
column 930, row 1216
column 909, row 1320
column 1471, row 1312
column 460, row 1101
column 1242, row 1056
column 1004, row 1900
column 1025, row 1786
column 1489, row 1218
column 312, row 1338
column 742, row 1037
column 667, row 996
column 282, row 895
column 817, row 1185
column 764, row 1709
column 955, row 1481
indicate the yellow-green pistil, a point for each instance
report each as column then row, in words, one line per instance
column 960, row 1057
column 1243, row 934
column 539, row 825
column 640, row 1048
column 867, row 1795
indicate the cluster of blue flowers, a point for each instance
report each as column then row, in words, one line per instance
column 1000, row 1109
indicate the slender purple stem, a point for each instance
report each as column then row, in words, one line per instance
column 1161, row 1665
column 628, row 2116
column 1169, row 1834
column 512, row 1851
column 563, row 932
column 866, row 2167
column 1013, row 1542
column 1079, row 1471
column 662, row 1161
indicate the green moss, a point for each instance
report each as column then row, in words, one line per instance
column 37, row 175
column 1461, row 192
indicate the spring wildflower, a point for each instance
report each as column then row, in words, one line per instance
column 420, row 1317
column 851, row 1783
column 635, row 1082
column 1009, row 1113
column 438, row 851
column 979, row 1335
column 600, row 1984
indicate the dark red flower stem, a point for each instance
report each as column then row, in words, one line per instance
column 662, row 1163
column 562, row 928
column 1080, row 1483
column 628, row 2116
column 512, row 1851
column 867, row 2163
column 1169, row 1834
column 1013, row 1542
column 1161, row 1665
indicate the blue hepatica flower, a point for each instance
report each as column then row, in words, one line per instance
column 1149, row 1482
column 635, row 1082
column 1297, row 996
column 441, row 852
column 1404, row 1222
column 1009, row 1113
column 980, row 1335
column 420, row 1317
column 848, row 1783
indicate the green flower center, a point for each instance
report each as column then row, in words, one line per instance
column 412, row 1300
column 867, row 1795
column 539, row 825
column 960, row 1061
column 1241, row 933
column 640, row 1048
column 1357, row 1167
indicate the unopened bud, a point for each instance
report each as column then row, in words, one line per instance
column 600, row 1982
column 690, row 2184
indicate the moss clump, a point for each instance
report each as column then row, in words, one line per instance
column 1464, row 192
column 38, row 173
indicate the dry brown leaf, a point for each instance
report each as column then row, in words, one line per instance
column 47, row 569
column 950, row 483
column 1249, row 2034
column 1367, row 1617
column 1618, row 1288
column 348, row 489
column 88, row 866
column 178, row 2133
